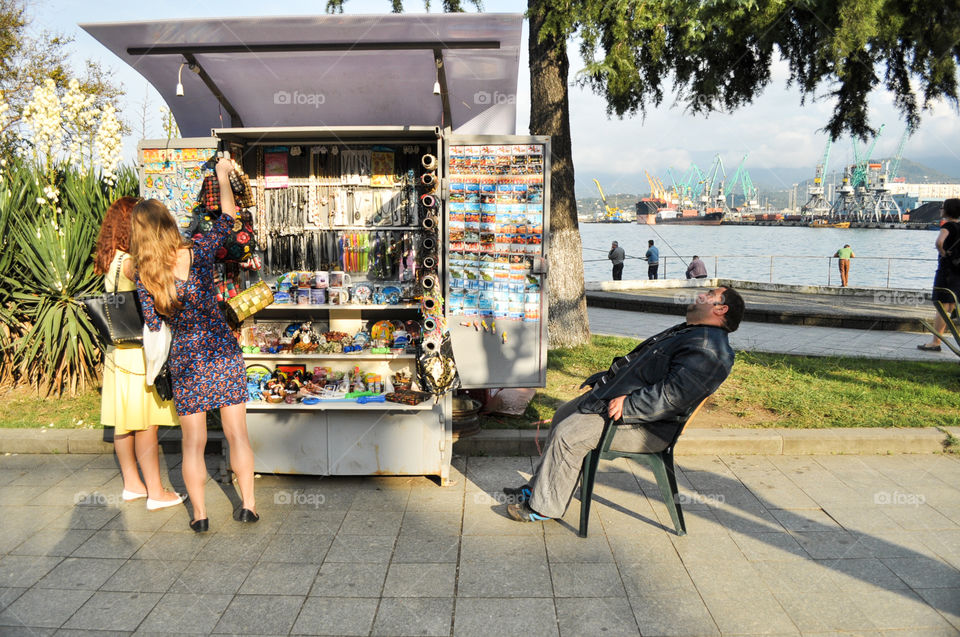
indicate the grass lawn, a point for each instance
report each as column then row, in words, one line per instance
column 764, row 390
column 774, row 390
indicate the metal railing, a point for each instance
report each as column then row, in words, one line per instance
column 830, row 262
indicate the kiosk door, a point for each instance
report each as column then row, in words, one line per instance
column 497, row 203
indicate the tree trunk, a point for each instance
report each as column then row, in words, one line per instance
column 550, row 115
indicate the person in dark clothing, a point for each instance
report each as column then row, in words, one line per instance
column 948, row 273
column 653, row 260
column 648, row 394
column 696, row 269
column 616, row 255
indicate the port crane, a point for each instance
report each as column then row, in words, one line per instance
column 860, row 178
column 614, row 215
column 885, row 208
column 817, row 204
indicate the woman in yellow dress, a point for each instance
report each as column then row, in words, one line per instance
column 128, row 405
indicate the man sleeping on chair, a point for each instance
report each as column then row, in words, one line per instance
column 648, row 394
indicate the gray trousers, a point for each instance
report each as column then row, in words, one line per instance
column 572, row 436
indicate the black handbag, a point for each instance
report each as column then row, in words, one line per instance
column 164, row 383
column 116, row 315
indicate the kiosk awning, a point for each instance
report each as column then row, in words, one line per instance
column 329, row 70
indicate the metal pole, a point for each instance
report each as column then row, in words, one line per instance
column 829, row 268
column 771, row 268
column 716, row 266
column 888, row 272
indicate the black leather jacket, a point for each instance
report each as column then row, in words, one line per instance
column 665, row 377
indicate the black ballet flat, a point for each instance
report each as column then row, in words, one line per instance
column 200, row 526
column 246, row 515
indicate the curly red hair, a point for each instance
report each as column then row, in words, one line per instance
column 114, row 233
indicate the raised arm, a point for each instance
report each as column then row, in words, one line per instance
column 228, row 204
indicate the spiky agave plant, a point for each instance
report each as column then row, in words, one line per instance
column 57, row 349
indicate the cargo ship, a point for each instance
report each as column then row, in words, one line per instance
column 660, row 212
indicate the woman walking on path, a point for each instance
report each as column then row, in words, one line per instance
column 127, row 404
column 948, row 275
column 176, row 285
column 844, row 255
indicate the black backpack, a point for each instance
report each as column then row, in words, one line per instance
column 952, row 251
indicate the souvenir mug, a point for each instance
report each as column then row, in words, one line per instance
column 318, row 296
column 321, row 279
column 338, row 296
column 339, row 279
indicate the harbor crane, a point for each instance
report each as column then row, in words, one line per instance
column 885, row 208
column 860, row 179
column 817, row 204
column 610, row 215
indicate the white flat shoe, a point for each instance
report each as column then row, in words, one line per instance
column 129, row 496
column 154, row 505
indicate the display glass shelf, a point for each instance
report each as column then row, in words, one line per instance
column 319, row 355
column 301, row 307
column 338, row 405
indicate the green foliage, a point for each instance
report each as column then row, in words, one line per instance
column 719, row 54
column 46, row 266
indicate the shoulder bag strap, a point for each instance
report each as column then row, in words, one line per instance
column 116, row 278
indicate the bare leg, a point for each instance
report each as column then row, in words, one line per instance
column 194, row 428
column 234, row 419
column 123, row 445
column 938, row 324
column 148, row 456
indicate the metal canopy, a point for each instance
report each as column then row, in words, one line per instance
column 319, row 71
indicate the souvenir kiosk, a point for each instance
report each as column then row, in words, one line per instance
column 399, row 219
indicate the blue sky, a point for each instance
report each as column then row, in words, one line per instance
column 781, row 136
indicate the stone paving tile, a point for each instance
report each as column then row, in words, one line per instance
column 43, row 609
column 260, row 615
column 642, row 578
column 666, row 613
column 53, row 542
column 923, row 572
column 145, row 576
column 23, row 571
column 572, row 579
column 185, row 613
column 230, row 548
column 511, row 616
column 749, row 611
column 445, row 523
column 420, row 549
column 420, row 580
column 213, row 577
column 491, row 548
column 111, row 543
column 607, row 616
column 414, row 616
column 570, row 548
column 945, row 600
column 371, row 523
column 361, row 548
column 336, row 616
column 813, row 611
column 500, row 579
column 113, row 611
column 896, row 609
column 275, row 578
column 82, row 517
column 348, row 579
column 313, row 522
column 87, row 573
column 297, row 548
column 164, row 545
column 769, row 546
column 9, row 595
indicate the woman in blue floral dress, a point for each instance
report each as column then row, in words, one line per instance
column 175, row 283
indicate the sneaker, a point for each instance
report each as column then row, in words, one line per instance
column 523, row 513
column 517, row 494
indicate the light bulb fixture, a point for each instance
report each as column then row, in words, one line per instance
column 179, row 79
column 436, row 88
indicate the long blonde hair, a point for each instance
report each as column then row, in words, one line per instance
column 154, row 241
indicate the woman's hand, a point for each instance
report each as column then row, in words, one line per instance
column 227, row 203
column 224, row 166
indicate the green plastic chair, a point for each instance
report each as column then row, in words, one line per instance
column 660, row 461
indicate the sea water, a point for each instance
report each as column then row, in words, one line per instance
column 897, row 258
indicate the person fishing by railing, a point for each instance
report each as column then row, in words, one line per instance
column 653, row 260
column 617, row 255
column 696, row 269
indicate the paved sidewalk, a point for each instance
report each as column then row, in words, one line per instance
column 785, row 545
column 781, row 339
